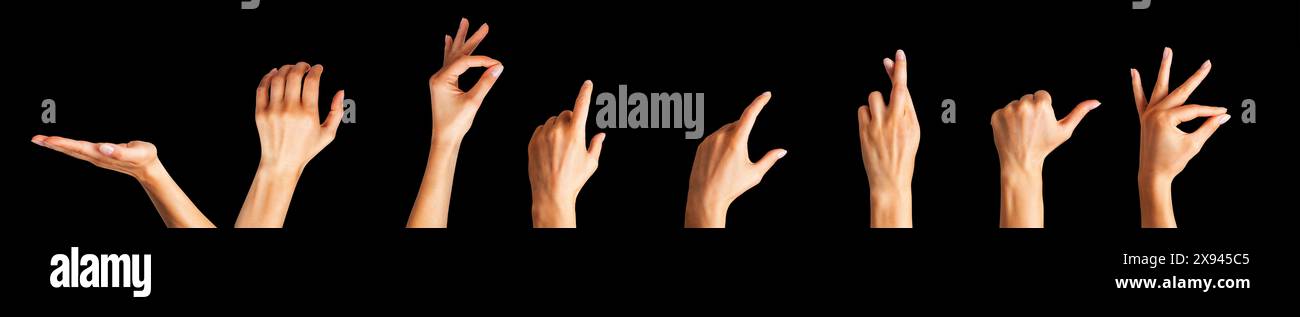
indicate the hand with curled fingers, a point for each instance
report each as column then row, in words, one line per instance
column 291, row 133
column 1025, row 132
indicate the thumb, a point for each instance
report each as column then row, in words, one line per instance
column 1208, row 127
column 597, row 142
column 109, row 150
column 119, row 152
column 335, row 117
column 489, row 78
column 764, row 164
column 1072, row 120
column 136, row 151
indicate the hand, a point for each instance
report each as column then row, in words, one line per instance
column 137, row 158
column 140, row 160
column 288, row 119
column 559, row 163
column 453, row 109
column 453, row 112
column 889, row 139
column 722, row 169
column 1166, row 149
column 291, row 133
column 1025, row 131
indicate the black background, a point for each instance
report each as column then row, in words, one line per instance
column 182, row 75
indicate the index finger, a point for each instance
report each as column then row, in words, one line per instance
column 461, row 65
column 581, row 106
column 750, row 115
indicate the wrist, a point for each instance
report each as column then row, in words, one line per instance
column 880, row 185
column 552, row 212
column 447, row 139
column 1156, row 199
column 706, row 213
column 1021, row 168
column 1152, row 178
column 444, row 151
column 152, row 174
column 891, row 207
column 1022, row 196
column 277, row 170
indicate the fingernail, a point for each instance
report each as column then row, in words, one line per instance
column 781, row 154
column 38, row 142
column 1206, row 64
column 1224, row 118
column 901, row 56
column 1094, row 106
column 106, row 149
column 1167, row 51
column 1133, row 72
column 496, row 71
